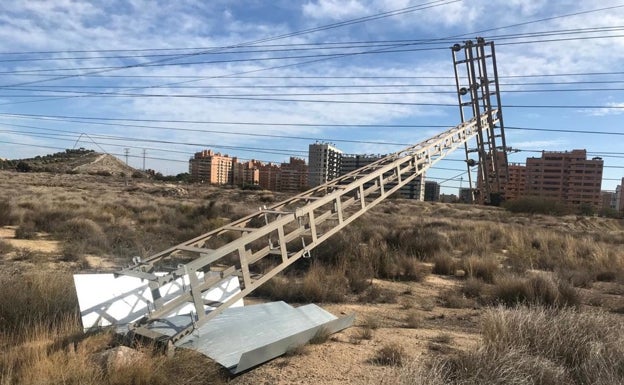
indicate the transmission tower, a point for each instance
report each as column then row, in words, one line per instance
column 476, row 78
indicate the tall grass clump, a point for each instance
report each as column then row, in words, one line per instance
column 7, row 216
column 35, row 298
column 533, row 346
column 537, row 290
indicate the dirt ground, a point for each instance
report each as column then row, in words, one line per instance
column 345, row 358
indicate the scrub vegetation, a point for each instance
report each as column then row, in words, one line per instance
column 547, row 290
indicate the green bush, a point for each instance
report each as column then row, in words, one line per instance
column 536, row 205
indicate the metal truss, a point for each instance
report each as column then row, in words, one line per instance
column 476, row 77
column 261, row 245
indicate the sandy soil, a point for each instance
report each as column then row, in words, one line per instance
column 345, row 358
column 41, row 244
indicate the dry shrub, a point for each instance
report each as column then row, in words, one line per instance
column 538, row 290
column 390, row 355
column 473, row 288
column 454, row 300
column 321, row 336
column 319, row 284
column 35, row 299
column 322, row 284
column 376, row 294
column 5, row 247
column 371, row 322
column 7, row 216
column 48, row 220
column 527, row 346
column 444, row 265
column 413, row 320
column 443, row 338
column 417, row 241
column 26, row 230
column 363, row 333
column 481, row 268
column 536, row 205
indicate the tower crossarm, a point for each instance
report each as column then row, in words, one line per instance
column 259, row 246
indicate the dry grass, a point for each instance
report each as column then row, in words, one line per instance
column 444, row 265
column 533, row 346
column 413, row 320
column 95, row 215
column 390, row 355
column 484, row 269
column 537, row 290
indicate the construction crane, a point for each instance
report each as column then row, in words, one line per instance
column 261, row 245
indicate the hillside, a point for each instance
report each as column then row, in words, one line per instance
column 77, row 161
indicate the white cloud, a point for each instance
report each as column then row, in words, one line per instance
column 617, row 109
column 335, row 9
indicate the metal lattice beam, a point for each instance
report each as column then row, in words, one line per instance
column 478, row 94
column 288, row 230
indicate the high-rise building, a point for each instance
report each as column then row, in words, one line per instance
column 465, row 195
column 324, row 163
column 565, row 176
column 619, row 197
column 269, row 174
column 608, row 198
column 293, row 175
column 246, row 173
column 515, row 186
column 432, row 191
column 210, row 167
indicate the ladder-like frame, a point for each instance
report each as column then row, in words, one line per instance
column 476, row 78
column 283, row 228
column 281, row 234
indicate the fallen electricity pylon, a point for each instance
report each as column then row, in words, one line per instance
column 176, row 304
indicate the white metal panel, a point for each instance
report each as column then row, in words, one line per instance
column 108, row 301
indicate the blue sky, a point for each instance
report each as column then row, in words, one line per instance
column 154, row 63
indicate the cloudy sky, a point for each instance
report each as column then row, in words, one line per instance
column 263, row 79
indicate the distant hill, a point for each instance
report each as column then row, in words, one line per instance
column 78, row 161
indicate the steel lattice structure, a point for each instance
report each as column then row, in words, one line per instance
column 261, row 245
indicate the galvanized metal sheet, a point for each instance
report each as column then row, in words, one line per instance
column 105, row 300
column 241, row 338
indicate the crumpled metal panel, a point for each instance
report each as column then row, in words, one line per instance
column 244, row 337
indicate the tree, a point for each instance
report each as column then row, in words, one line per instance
column 23, row 167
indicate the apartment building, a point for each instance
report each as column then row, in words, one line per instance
column 432, row 191
column 618, row 199
column 269, row 174
column 565, row 176
column 515, row 187
column 293, row 175
column 324, row 163
column 245, row 173
column 210, row 167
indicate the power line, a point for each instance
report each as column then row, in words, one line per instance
column 103, row 120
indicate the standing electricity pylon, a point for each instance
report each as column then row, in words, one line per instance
column 478, row 95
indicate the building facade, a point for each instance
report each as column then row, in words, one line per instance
column 210, row 167
column 432, row 191
column 619, row 198
column 567, row 176
column 324, row 163
column 293, row 175
column 245, row 173
column 515, row 187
